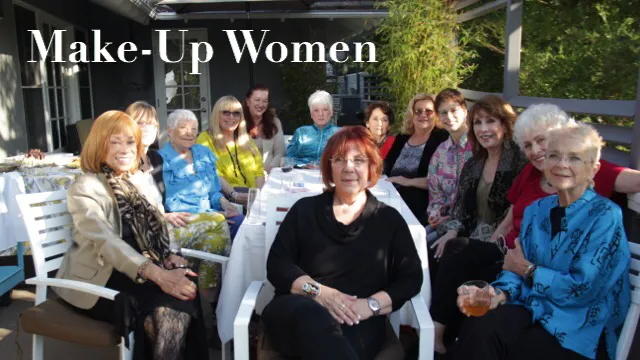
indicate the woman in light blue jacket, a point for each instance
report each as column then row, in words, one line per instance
column 565, row 287
column 308, row 141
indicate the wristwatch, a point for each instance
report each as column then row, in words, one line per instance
column 311, row 289
column 528, row 275
column 374, row 305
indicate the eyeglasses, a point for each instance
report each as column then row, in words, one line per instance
column 572, row 159
column 357, row 161
column 229, row 113
column 427, row 112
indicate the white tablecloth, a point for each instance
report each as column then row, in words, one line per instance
column 247, row 258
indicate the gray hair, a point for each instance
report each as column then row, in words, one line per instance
column 320, row 97
column 178, row 115
column 547, row 116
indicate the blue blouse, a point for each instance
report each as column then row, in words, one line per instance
column 308, row 142
column 581, row 286
column 192, row 188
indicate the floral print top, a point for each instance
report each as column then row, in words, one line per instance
column 444, row 170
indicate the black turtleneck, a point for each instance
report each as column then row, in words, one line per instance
column 375, row 252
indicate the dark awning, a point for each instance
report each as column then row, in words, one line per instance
column 173, row 9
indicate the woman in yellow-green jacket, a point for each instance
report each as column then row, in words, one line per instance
column 238, row 158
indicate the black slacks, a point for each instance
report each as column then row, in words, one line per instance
column 299, row 327
column 507, row 333
column 463, row 260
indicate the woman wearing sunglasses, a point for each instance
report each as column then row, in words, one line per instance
column 407, row 163
column 239, row 160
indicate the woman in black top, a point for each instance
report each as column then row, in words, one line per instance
column 339, row 260
column 407, row 163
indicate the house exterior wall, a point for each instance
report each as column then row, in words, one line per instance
column 13, row 136
column 227, row 77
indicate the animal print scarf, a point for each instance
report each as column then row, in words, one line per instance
column 146, row 221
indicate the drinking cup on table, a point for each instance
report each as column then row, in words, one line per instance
column 287, row 164
column 477, row 298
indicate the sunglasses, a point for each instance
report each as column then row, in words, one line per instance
column 418, row 112
column 229, row 113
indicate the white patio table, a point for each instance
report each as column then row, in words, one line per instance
column 247, row 258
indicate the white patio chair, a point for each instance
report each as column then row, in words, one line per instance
column 631, row 321
column 49, row 224
column 277, row 209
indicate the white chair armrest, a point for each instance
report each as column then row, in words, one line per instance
column 426, row 332
column 74, row 285
column 241, row 322
column 204, row 255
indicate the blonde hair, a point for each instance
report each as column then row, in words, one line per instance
column 96, row 146
column 241, row 136
column 142, row 111
column 585, row 137
column 407, row 122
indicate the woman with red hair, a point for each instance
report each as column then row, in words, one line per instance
column 340, row 261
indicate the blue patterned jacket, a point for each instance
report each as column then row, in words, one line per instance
column 308, row 142
column 193, row 189
column 581, row 286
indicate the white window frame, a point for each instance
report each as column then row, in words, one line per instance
column 70, row 84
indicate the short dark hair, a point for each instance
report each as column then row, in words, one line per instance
column 450, row 94
column 383, row 106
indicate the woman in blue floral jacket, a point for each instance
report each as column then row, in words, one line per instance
column 565, row 287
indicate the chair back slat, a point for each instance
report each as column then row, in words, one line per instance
column 277, row 209
column 56, row 249
column 49, row 209
column 54, row 236
column 51, row 265
column 48, row 224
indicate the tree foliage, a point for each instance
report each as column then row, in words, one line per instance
column 421, row 48
column 573, row 49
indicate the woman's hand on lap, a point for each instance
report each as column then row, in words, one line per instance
column 361, row 308
column 177, row 284
column 339, row 305
column 177, row 219
column 440, row 244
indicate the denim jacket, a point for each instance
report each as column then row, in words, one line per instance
column 308, row 143
column 191, row 188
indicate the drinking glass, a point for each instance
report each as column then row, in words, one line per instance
column 287, row 164
column 477, row 299
column 253, row 210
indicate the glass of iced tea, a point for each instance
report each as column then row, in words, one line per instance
column 477, row 299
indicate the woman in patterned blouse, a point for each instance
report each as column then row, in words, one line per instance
column 565, row 290
column 448, row 160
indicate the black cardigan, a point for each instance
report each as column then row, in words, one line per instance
column 416, row 199
column 156, row 162
column 375, row 252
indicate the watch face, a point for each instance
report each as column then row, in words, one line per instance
column 373, row 304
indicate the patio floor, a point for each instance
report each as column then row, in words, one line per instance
column 23, row 298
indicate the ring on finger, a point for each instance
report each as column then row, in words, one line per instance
column 342, row 306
